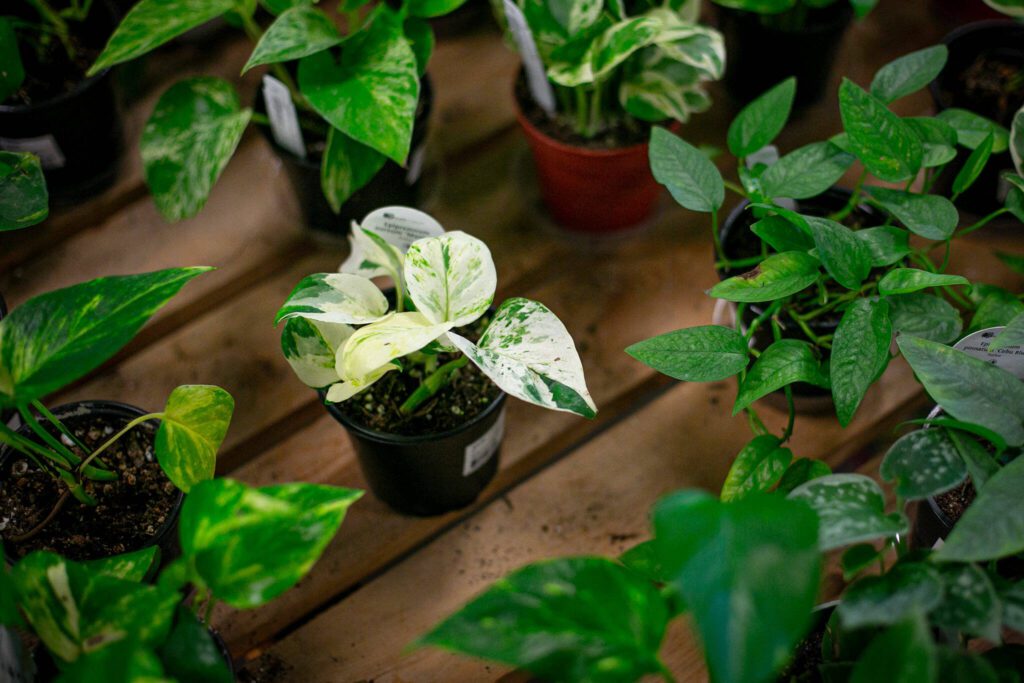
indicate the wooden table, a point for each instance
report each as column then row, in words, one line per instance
column 566, row 485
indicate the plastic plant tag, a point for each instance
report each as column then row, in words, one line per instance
column 416, row 160
column 401, row 226
column 1010, row 358
column 767, row 155
column 536, row 77
column 45, row 147
column 483, row 449
column 284, row 120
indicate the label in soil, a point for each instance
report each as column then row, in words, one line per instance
column 483, row 449
column 1010, row 358
column 1004, row 186
column 401, row 226
column 416, row 160
column 45, row 147
column 536, row 77
column 284, row 121
column 767, row 155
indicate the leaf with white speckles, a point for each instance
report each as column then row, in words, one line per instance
column 372, row 347
column 335, row 298
column 993, row 526
column 850, row 508
column 969, row 602
column 451, row 278
column 527, row 351
column 310, row 347
column 888, row 599
column 925, row 462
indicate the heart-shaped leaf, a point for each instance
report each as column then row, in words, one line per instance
column 311, row 346
column 972, row 129
column 887, row 244
column 845, row 257
column 909, row 280
column 776, row 277
column 346, row 167
column 806, row 172
column 860, row 353
column 374, row 346
column 451, row 278
column 688, row 174
column 801, row 471
column 784, row 362
column 906, row 589
column 191, row 654
column 924, row 463
column 937, row 137
column 192, row 428
column 927, row 215
column 298, row 32
column 781, row 235
column 335, row 298
column 696, row 354
column 926, row 316
column 850, row 508
column 24, row 199
column 969, row 604
column 762, row 120
column 909, row 73
column 758, row 467
column 373, row 256
column 881, row 140
column 993, row 526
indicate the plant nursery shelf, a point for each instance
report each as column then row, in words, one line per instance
column 566, row 485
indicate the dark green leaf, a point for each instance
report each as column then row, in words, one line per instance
column 433, row 8
column 909, row 280
column 860, row 352
column 298, row 32
column 806, row 172
column 937, row 137
column 887, row 244
column 690, row 176
column 859, row 557
column 969, row 604
column 748, row 620
column 926, row 316
column 133, row 566
column 909, row 73
column 980, row 463
column 846, row 258
column 756, row 468
column 125, row 660
column 906, row 589
column 192, row 428
column 784, row 362
column 421, row 39
column 24, row 199
column 974, row 165
column 1012, row 598
column 191, row 654
column 346, row 167
column 972, row 129
column 188, row 141
column 12, row 71
column 569, row 619
column 924, row 462
column 761, row 120
column 997, row 308
column 993, row 526
column 57, row 337
column 781, row 235
column 881, row 140
column 967, row 388
column 904, row 653
column 927, row 215
column 800, row 471
column 696, row 354
column 777, row 276
column 958, row 666
column 850, row 508
column 1012, row 335
column 1008, row 660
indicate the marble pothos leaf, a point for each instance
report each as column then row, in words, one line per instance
column 151, row 23
column 24, row 199
column 192, row 428
column 421, row 39
column 373, row 256
column 298, row 32
column 370, row 93
column 249, row 545
column 451, row 278
column 188, row 141
column 310, row 347
column 346, row 167
column 374, row 346
column 661, row 89
column 527, row 351
column 335, row 298
column 924, row 463
column 969, row 603
column 851, row 509
column 56, row 337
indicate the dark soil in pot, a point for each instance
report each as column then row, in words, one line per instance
column 984, row 74
column 762, row 50
column 137, row 510
column 71, row 122
column 392, row 186
column 808, row 654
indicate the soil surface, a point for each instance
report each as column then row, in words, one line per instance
column 993, row 84
column 625, row 133
column 956, row 501
column 806, row 659
column 130, row 511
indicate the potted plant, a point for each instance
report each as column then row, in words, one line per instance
column 96, row 478
column 241, row 545
column 341, row 110
column 594, row 80
column 417, row 381
column 770, row 40
column 49, row 105
column 984, row 75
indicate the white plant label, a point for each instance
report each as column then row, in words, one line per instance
column 536, row 77
column 401, row 226
column 767, row 155
column 45, row 147
column 284, row 120
column 416, row 160
column 1010, row 358
column 483, row 449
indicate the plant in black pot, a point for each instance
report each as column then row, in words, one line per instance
column 99, row 621
column 418, row 381
column 596, row 76
column 771, row 40
column 49, row 105
column 345, row 112
column 96, row 478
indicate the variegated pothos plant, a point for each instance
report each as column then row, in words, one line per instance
column 341, row 335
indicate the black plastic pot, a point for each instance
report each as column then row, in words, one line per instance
column 165, row 537
column 392, row 186
column 78, row 134
column 760, row 52
column 1003, row 40
column 432, row 474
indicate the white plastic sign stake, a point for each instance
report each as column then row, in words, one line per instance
column 401, row 226
column 284, row 120
column 1010, row 358
column 536, row 78
column 45, row 147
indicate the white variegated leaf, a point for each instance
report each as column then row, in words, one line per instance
column 583, row 13
column 346, row 389
column 698, row 46
column 372, row 255
column 373, row 346
column 335, row 298
column 663, row 89
column 451, row 278
column 310, row 347
column 527, row 351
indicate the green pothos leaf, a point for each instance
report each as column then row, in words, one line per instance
column 777, row 276
column 12, row 71
column 881, row 140
column 346, row 167
column 298, row 32
column 696, row 354
column 993, row 526
column 784, row 362
column 335, row 298
column 192, row 428
column 757, row 467
column 451, row 278
column 860, row 353
column 850, row 508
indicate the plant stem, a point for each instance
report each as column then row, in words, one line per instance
column 47, row 438
column 60, row 26
column 854, row 199
column 21, row 538
column 52, row 419
column 716, row 237
column 581, row 112
column 981, row 223
column 433, row 384
column 733, row 187
column 112, row 440
column 595, row 109
column 32, row 450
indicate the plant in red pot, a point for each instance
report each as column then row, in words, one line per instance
column 597, row 79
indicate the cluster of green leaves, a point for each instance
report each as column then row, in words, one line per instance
column 24, row 199
column 441, row 283
column 357, row 92
column 608, row 67
column 56, row 338
column 101, row 620
column 793, row 12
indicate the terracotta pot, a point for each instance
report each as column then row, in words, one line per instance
column 594, row 191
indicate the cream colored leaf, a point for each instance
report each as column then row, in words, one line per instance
column 335, row 298
column 451, row 278
column 373, row 346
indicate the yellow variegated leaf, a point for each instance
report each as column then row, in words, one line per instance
column 373, row 346
column 451, row 278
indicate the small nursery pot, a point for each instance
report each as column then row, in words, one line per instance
column 592, row 191
column 77, row 134
column 430, row 474
column 760, row 54
column 975, row 52
column 392, row 186
column 94, row 414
